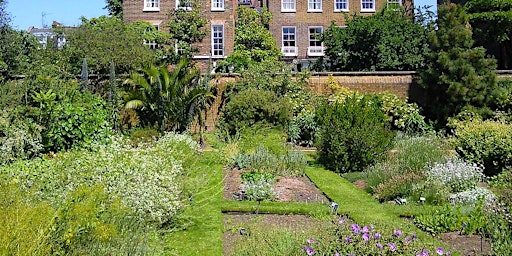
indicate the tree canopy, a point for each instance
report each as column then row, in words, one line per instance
column 492, row 27
column 105, row 39
column 388, row 40
column 458, row 76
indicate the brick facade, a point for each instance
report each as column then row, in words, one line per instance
column 300, row 18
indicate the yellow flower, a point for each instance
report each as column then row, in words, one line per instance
column 15, row 181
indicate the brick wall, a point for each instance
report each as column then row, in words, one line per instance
column 133, row 11
column 301, row 19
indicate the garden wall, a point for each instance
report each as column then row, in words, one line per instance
column 401, row 83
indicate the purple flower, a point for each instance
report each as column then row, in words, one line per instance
column 355, row 228
column 414, row 236
column 311, row 241
column 348, row 239
column 365, row 229
column 392, row 247
column 366, row 236
column 337, row 254
column 341, row 221
column 379, row 245
column 309, row 250
column 397, row 232
column 423, row 252
column 408, row 240
column 377, row 236
column 440, row 250
column 448, row 253
column 352, row 254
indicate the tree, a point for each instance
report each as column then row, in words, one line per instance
column 457, row 76
column 167, row 98
column 492, row 27
column 105, row 39
column 253, row 41
column 388, row 40
column 115, row 8
column 186, row 27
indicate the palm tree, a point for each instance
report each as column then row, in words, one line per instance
column 169, row 99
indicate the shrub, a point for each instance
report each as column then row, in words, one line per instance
column 434, row 192
column 456, row 174
column 88, row 222
column 397, row 187
column 352, row 134
column 73, row 122
column 254, row 106
column 402, row 115
column 302, row 129
column 18, row 139
column 146, row 179
column 485, row 142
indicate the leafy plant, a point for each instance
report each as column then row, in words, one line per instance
column 353, row 134
column 485, row 142
column 448, row 218
column 258, row 186
column 251, row 107
column 166, row 98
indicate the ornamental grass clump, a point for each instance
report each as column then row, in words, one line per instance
column 352, row 239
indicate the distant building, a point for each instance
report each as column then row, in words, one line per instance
column 48, row 36
column 296, row 24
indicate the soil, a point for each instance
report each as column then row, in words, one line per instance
column 466, row 245
column 289, row 189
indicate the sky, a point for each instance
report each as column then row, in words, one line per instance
column 26, row 13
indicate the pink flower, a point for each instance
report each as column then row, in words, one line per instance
column 311, row 241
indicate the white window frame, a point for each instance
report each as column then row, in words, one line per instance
column 317, row 49
column 314, row 5
column 341, row 2
column 186, row 8
column 288, row 5
column 367, row 5
column 287, row 49
column 218, row 52
column 394, row 3
column 151, row 6
column 217, row 5
column 152, row 44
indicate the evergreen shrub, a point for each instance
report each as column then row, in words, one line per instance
column 353, row 134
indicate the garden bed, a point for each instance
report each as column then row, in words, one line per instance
column 290, row 189
column 237, row 225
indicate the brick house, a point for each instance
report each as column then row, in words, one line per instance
column 295, row 24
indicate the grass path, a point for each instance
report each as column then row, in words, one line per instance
column 361, row 207
column 203, row 235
